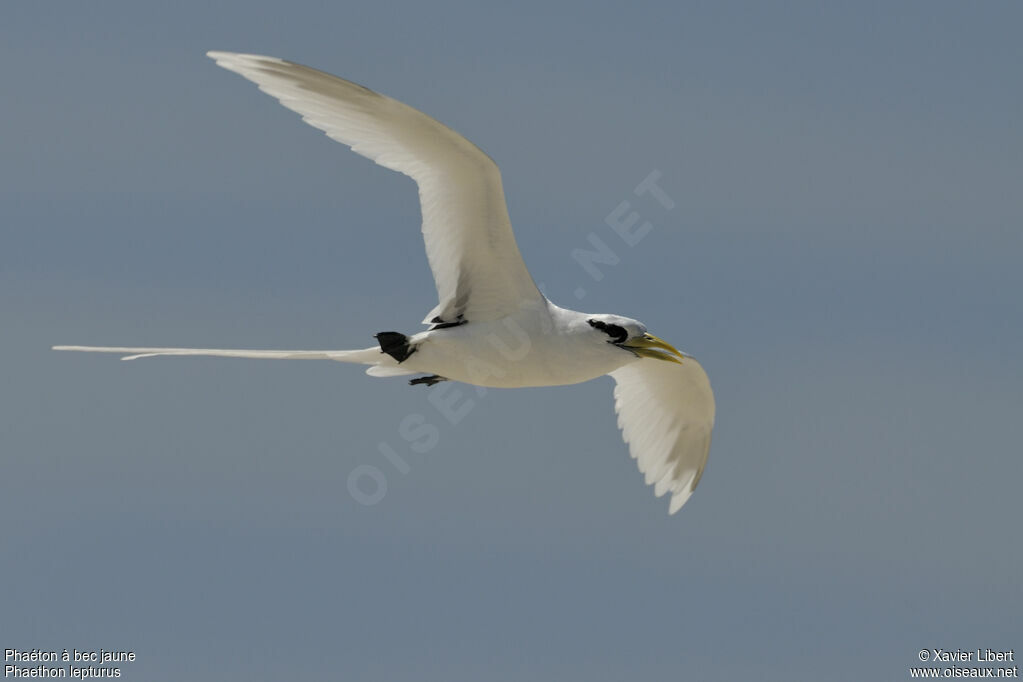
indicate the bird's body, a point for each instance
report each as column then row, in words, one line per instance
column 538, row 346
column 492, row 327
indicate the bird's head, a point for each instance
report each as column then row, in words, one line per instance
column 631, row 335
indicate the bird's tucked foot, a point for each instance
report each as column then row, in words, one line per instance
column 395, row 344
column 439, row 323
column 429, row 381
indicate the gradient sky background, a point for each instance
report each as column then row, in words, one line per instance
column 843, row 257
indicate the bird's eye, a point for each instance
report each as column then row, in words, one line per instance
column 617, row 333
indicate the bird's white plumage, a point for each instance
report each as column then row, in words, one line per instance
column 476, row 263
column 506, row 333
column 666, row 414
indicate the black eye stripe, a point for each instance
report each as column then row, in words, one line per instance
column 617, row 333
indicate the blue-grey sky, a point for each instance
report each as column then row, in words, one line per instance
column 843, row 256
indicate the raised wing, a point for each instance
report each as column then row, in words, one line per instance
column 666, row 414
column 476, row 263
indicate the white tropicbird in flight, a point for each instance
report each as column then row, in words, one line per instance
column 492, row 326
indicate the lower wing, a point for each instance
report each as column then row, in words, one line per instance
column 666, row 414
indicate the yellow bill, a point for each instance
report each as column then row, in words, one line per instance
column 649, row 346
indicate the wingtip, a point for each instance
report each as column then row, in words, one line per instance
column 679, row 499
column 222, row 57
